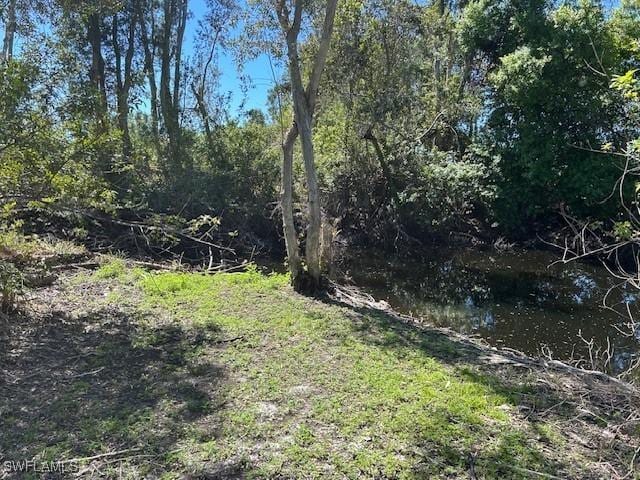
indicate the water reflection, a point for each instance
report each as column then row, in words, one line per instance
column 585, row 285
column 629, row 297
column 512, row 299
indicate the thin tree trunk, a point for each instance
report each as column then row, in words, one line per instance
column 166, row 104
column 123, row 79
column 96, row 73
column 199, row 89
column 9, row 32
column 128, row 74
column 437, row 62
column 201, row 107
column 149, row 58
column 177, row 79
column 286, row 202
column 390, row 184
column 182, row 23
column 312, row 246
column 97, row 78
column 466, row 74
column 303, row 118
column 169, row 100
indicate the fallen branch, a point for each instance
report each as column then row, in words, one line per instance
column 228, row 340
column 71, row 266
column 86, row 374
column 226, row 269
column 102, row 455
column 531, row 472
column 162, row 229
column 154, row 266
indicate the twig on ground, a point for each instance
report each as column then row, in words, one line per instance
column 71, row 266
column 85, row 374
column 229, row 340
column 101, row 455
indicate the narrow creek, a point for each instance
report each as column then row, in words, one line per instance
column 510, row 299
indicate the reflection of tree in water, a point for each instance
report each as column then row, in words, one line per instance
column 448, row 282
column 621, row 360
column 585, row 285
column 507, row 300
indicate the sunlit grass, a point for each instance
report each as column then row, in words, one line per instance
column 236, row 373
column 343, row 395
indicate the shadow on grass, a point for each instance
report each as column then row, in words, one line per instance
column 99, row 384
column 528, row 449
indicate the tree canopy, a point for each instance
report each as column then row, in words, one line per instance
column 406, row 121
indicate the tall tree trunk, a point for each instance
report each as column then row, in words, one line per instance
column 97, row 78
column 303, row 118
column 9, row 31
column 286, row 203
column 169, row 97
column 437, row 62
column 123, row 79
column 177, row 79
column 149, row 67
column 182, row 23
column 199, row 89
column 304, row 101
column 166, row 101
column 96, row 74
column 312, row 246
column 126, row 85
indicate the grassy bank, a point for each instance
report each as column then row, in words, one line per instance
column 182, row 375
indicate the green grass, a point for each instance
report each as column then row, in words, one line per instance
column 114, row 268
column 347, row 395
column 217, row 376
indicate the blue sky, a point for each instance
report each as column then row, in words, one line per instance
column 258, row 71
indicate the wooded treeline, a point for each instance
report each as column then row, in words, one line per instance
column 393, row 121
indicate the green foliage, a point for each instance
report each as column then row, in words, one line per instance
column 520, row 76
column 232, row 187
column 112, row 269
column 432, row 117
column 623, row 230
column 549, row 104
column 39, row 163
column 447, row 193
column 398, row 102
column 627, row 84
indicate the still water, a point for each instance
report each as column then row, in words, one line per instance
column 511, row 299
